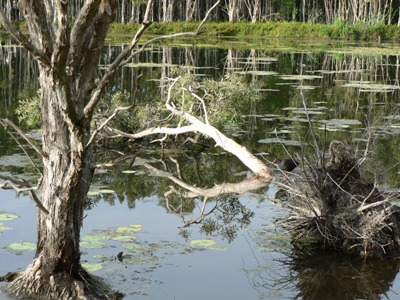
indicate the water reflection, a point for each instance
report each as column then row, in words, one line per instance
column 339, row 89
column 329, row 276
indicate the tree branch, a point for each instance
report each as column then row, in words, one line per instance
column 6, row 122
column 96, row 131
column 126, row 55
column 22, row 186
column 23, row 39
column 240, row 188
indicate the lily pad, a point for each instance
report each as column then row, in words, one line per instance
column 7, row 216
column 95, row 244
column 219, row 248
column 131, row 228
column 203, row 243
column 131, row 246
column 93, row 267
column 125, row 238
column 300, row 77
column 22, row 246
column 372, row 87
column 4, row 227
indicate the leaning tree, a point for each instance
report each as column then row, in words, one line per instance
column 67, row 49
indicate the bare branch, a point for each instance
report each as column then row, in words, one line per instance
column 126, row 55
column 21, row 186
column 239, row 188
column 23, row 39
column 112, row 116
column 155, row 130
column 6, row 122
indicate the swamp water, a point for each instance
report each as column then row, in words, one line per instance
column 135, row 237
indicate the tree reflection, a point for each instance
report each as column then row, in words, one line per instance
column 220, row 211
column 328, row 276
column 185, row 186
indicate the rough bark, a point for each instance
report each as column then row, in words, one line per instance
column 68, row 59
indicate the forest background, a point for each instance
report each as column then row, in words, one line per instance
column 338, row 19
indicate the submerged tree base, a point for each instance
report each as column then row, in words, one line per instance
column 32, row 285
column 336, row 209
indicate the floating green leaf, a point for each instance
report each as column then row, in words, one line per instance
column 22, row 246
column 91, row 238
column 130, row 228
column 7, row 216
column 203, row 243
column 94, row 244
column 125, row 238
column 93, row 267
column 219, row 247
column 131, row 246
column 4, row 227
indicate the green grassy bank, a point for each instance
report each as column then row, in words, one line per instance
column 339, row 30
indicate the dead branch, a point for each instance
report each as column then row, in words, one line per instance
column 6, row 122
column 126, row 55
column 23, row 39
column 104, row 124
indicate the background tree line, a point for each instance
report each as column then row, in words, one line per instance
column 315, row 11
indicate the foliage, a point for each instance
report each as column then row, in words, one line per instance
column 339, row 30
column 222, row 99
column 28, row 111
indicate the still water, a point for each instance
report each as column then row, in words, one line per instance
column 345, row 89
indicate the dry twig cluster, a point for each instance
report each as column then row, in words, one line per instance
column 335, row 208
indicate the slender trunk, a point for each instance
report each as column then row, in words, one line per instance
column 66, row 180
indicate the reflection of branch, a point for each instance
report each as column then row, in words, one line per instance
column 219, row 189
column 6, row 122
column 22, row 186
column 96, row 131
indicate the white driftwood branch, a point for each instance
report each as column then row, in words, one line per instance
column 229, row 145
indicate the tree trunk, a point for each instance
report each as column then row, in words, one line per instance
column 66, row 181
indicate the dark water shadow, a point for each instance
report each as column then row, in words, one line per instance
column 330, row 276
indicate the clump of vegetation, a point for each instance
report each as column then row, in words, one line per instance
column 339, row 30
column 28, row 111
column 335, row 208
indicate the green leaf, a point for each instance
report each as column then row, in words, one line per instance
column 203, row 243
column 92, row 244
column 130, row 228
column 22, row 246
column 7, row 216
column 93, row 267
column 131, row 246
column 125, row 238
